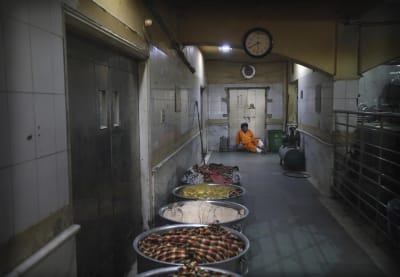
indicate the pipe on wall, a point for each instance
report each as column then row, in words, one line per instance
column 45, row 251
column 157, row 167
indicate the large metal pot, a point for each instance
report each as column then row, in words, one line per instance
column 237, row 198
column 292, row 158
column 235, row 224
column 235, row 264
column 164, row 271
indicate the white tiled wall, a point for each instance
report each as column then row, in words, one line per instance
column 167, row 75
column 33, row 144
column 22, row 126
column 25, row 195
column 6, row 205
column 314, row 150
column 345, row 95
column 63, row 196
column 60, row 120
column 40, row 14
column 17, row 9
column 41, row 44
column 17, row 56
column 217, row 107
column 2, row 65
column 306, row 105
column 58, row 65
column 47, row 180
column 5, row 153
column 45, row 124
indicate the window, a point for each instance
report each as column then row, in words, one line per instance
column 115, row 109
column 102, row 98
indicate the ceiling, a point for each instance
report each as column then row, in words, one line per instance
column 345, row 11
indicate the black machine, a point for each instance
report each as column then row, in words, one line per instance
column 291, row 156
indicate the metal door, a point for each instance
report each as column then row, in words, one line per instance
column 246, row 105
column 103, row 118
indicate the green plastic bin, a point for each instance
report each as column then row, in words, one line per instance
column 274, row 140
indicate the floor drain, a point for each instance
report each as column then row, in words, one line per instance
column 296, row 174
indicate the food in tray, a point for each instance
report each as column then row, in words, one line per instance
column 201, row 212
column 205, row 244
column 209, row 191
column 193, row 269
column 212, row 173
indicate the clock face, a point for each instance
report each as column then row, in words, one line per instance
column 248, row 71
column 257, row 42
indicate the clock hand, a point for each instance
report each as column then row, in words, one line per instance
column 254, row 44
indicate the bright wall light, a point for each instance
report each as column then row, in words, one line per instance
column 225, row 48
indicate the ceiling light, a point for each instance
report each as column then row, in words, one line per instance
column 225, row 48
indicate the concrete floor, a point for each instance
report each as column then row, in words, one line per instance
column 294, row 231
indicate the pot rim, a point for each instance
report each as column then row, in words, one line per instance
column 171, row 269
column 228, row 204
column 175, row 190
column 176, row 226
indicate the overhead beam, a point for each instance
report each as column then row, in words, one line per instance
column 174, row 43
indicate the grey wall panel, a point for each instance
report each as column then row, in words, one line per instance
column 165, row 182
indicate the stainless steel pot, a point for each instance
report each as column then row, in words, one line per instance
column 164, row 271
column 238, row 198
column 145, row 263
column 235, row 224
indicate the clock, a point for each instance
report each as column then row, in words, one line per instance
column 248, row 71
column 257, row 42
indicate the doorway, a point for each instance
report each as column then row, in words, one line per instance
column 247, row 105
column 103, row 121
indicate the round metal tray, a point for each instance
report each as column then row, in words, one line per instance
column 236, row 264
column 227, row 204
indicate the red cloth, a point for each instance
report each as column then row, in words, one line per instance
column 218, row 179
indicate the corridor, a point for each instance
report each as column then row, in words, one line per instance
column 105, row 104
column 291, row 233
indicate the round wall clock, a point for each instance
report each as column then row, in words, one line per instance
column 257, row 42
column 248, row 71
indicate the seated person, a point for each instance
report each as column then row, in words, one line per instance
column 246, row 137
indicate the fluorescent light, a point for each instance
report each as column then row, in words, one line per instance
column 225, row 48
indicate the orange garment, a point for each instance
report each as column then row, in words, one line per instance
column 247, row 139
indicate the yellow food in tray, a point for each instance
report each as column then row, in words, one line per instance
column 209, row 191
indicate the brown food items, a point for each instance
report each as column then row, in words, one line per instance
column 203, row 245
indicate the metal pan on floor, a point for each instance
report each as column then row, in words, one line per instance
column 205, row 212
